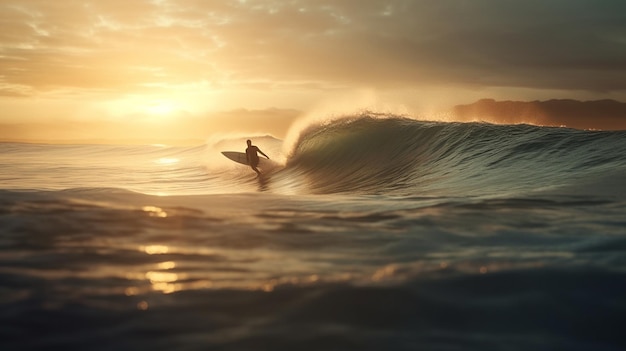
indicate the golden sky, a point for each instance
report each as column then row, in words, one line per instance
column 182, row 69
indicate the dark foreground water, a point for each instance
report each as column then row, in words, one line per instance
column 363, row 234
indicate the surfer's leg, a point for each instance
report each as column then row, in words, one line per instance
column 254, row 162
column 255, row 169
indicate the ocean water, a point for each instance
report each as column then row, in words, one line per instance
column 364, row 233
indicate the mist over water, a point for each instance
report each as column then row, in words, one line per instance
column 367, row 232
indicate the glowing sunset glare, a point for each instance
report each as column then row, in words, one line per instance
column 256, row 66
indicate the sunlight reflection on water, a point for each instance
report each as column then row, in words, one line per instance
column 154, row 211
column 167, row 161
column 154, row 249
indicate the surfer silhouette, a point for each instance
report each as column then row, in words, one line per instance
column 252, row 156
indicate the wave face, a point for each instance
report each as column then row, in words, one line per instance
column 407, row 157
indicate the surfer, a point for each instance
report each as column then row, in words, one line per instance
column 252, row 156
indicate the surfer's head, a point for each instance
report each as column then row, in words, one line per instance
column 249, row 142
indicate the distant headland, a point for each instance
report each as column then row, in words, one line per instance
column 598, row 114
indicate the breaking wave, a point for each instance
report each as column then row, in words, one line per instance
column 369, row 154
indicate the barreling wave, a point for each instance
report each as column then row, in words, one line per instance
column 368, row 154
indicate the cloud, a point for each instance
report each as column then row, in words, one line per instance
column 119, row 44
column 557, row 45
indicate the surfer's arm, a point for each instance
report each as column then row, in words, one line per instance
column 263, row 154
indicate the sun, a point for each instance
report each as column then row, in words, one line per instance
column 157, row 108
column 160, row 107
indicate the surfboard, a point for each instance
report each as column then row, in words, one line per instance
column 240, row 157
